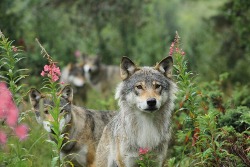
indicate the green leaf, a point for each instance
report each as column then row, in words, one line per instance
column 54, row 161
column 52, row 142
column 19, row 78
column 5, row 78
column 207, row 153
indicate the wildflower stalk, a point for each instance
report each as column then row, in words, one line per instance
column 187, row 94
column 9, row 72
column 53, row 72
column 11, row 96
column 198, row 130
column 187, row 88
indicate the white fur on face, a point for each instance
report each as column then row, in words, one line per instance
column 142, row 104
column 76, row 81
column 86, row 68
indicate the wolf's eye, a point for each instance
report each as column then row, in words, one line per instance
column 139, row 87
column 62, row 111
column 46, row 112
column 157, row 86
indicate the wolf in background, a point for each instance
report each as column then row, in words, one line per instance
column 82, row 127
column 101, row 77
column 146, row 100
column 73, row 74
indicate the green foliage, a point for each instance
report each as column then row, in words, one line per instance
column 10, row 56
column 238, row 118
column 211, row 122
column 52, row 87
column 240, row 96
column 146, row 159
column 204, row 136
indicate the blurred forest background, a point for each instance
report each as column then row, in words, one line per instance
column 215, row 34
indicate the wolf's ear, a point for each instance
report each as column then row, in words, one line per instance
column 67, row 93
column 127, row 68
column 165, row 66
column 35, row 97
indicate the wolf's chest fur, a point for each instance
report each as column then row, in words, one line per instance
column 143, row 131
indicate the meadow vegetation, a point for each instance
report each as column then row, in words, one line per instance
column 211, row 120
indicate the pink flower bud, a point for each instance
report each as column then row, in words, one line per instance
column 46, row 68
column 143, row 151
column 43, row 73
column 77, row 53
column 21, row 132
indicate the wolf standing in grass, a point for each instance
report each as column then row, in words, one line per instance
column 82, row 127
column 146, row 99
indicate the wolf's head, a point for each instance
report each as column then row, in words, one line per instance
column 76, row 75
column 42, row 106
column 146, row 89
column 91, row 64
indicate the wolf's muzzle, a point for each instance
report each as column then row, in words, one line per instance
column 151, row 102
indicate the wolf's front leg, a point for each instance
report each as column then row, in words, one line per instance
column 112, row 162
column 130, row 161
column 81, row 156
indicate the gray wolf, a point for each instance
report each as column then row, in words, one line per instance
column 82, row 127
column 101, row 77
column 73, row 74
column 146, row 100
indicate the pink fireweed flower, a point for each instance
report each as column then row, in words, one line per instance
column 12, row 114
column 174, row 47
column 77, row 53
column 52, row 71
column 171, row 49
column 172, row 44
column 21, row 132
column 3, row 138
column 43, row 73
column 143, row 151
column 46, row 68
column 5, row 93
column 9, row 112
column 54, row 78
column 56, row 70
column 8, row 109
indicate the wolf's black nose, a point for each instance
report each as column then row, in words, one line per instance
column 151, row 102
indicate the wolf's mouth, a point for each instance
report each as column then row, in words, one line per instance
column 151, row 109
